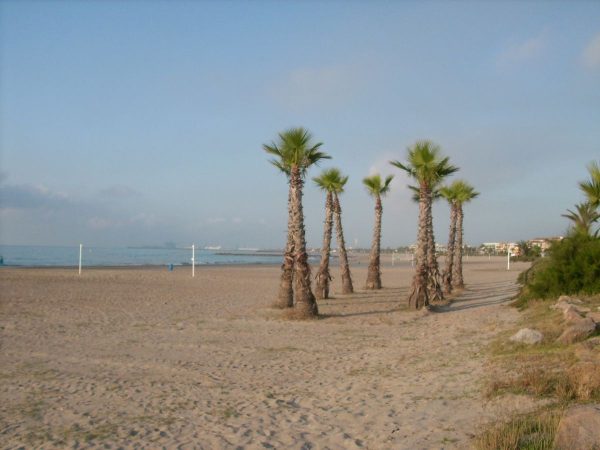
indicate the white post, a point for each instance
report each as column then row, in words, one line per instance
column 80, row 255
column 193, row 260
column 508, row 261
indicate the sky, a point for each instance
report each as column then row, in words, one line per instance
column 142, row 122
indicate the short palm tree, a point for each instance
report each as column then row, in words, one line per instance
column 347, row 287
column 464, row 194
column 584, row 218
column 428, row 168
column 294, row 153
column 591, row 187
column 327, row 181
column 377, row 189
column 450, row 194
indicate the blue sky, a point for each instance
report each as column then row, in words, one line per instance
column 130, row 123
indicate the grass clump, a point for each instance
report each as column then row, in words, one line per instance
column 533, row 431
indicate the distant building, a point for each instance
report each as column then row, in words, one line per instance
column 500, row 247
column 544, row 243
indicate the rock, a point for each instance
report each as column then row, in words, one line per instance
column 562, row 305
column 527, row 336
column 578, row 331
column 565, row 302
column 571, row 314
column 567, row 299
column 579, row 429
column 595, row 316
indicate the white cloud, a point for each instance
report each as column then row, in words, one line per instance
column 236, row 220
column 28, row 196
column 591, row 53
column 523, row 51
column 215, row 220
column 309, row 87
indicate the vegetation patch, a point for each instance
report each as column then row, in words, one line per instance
column 572, row 268
column 534, row 431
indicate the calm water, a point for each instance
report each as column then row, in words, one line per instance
column 22, row 255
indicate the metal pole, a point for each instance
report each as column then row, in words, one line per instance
column 193, row 260
column 80, row 255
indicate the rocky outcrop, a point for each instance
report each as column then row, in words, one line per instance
column 579, row 429
column 582, row 323
column 578, row 331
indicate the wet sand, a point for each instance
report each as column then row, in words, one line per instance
column 150, row 358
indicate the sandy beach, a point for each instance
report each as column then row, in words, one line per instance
column 146, row 358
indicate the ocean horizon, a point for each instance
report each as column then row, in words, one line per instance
column 68, row 256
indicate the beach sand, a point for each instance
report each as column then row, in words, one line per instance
column 150, row 358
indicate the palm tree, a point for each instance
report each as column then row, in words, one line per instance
column 428, row 168
column 450, row 194
column 434, row 285
column 464, row 193
column 376, row 189
column 327, row 181
column 294, row 154
column 338, row 188
column 584, row 218
column 591, row 187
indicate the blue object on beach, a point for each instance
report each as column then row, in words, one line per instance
column 170, row 267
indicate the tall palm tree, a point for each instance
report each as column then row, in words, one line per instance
column 428, row 168
column 327, row 181
column 294, row 154
column 338, row 188
column 377, row 189
column 591, row 187
column 450, row 194
column 465, row 193
column 584, row 218
column 434, row 284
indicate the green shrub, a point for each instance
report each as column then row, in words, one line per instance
column 572, row 267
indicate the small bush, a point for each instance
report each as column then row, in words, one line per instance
column 529, row 431
column 573, row 267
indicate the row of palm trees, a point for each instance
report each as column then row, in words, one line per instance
column 294, row 153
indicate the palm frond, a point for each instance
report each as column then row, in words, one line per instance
column 331, row 180
column 295, row 149
column 591, row 187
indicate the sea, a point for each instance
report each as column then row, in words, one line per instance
column 48, row 256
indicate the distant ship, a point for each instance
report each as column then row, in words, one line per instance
column 212, row 247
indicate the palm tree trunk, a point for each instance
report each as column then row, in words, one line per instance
column 344, row 267
column 419, row 297
column 323, row 275
column 433, row 281
column 304, row 300
column 457, row 276
column 447, row 277
column 374, row 272
column 285, row 298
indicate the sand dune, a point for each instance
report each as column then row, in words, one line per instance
column 130, row 358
